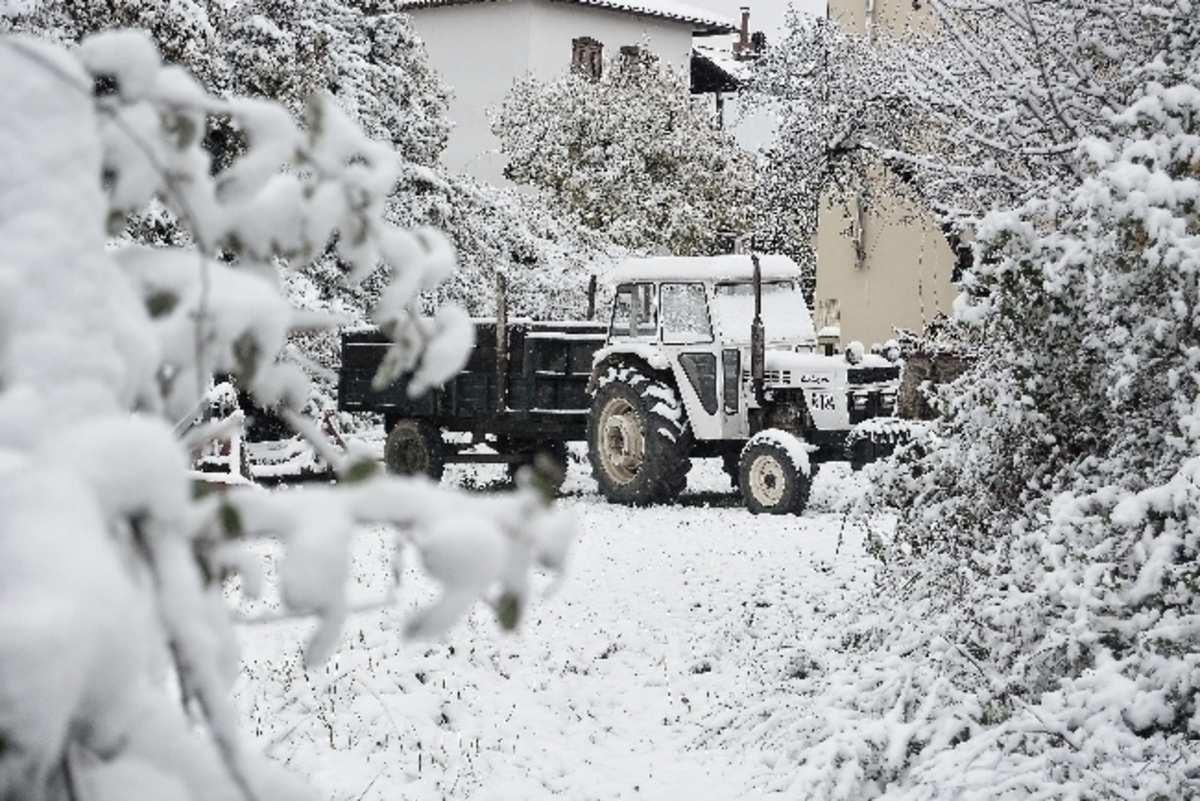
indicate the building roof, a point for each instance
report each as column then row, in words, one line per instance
column 715, row 69
column 704, row 23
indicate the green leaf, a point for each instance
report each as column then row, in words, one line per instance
column 231, row 521
column 181, row 128
column 508, row 610
column 115, row 223
column 360, row 470
column 161, row 303
column 246, row 353
column 548, row 476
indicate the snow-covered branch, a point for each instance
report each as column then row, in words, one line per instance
column 118, row 651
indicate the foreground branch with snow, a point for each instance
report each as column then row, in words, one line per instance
column 118, row 651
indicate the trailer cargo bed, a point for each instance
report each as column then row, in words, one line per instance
column 544, row 388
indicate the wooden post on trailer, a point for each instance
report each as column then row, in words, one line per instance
column 501, row 341
column 591, row 314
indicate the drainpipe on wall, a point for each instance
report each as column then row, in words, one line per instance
column 870, row 21
column 858, row 233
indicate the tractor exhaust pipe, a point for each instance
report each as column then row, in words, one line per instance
column 758, row 337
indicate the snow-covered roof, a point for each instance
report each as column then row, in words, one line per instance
column 702, row 268
column 704, row 23
column 722, row 58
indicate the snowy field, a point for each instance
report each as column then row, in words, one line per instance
column 621, row 683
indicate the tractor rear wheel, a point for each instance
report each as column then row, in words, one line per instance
column 639, row 442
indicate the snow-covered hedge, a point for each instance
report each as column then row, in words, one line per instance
column 116, row 653
column 1035, row 630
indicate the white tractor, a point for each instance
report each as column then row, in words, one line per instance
column 717, row 357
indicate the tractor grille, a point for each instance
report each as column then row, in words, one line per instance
column 865, row 405
column 774, row 377
column 874, row 375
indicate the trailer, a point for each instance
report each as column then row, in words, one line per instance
column 522, row 394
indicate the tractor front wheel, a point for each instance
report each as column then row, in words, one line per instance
column 774, row 475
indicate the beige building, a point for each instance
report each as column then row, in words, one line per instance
column 889, row 266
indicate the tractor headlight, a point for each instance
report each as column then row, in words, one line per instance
column 854, row 352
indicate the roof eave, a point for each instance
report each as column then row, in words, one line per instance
column 699, row 27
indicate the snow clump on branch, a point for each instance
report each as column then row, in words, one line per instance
column 111, row 568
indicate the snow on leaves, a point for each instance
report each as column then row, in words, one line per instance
column 1048, row 525
column 110, row 570
column 1034, row 633
column 630, row 155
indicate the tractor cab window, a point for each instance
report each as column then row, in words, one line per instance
column 784, row 311
column 685, row 314
column 746, row 289
column 635, row 312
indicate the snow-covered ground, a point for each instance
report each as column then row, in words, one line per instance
column 620, row 683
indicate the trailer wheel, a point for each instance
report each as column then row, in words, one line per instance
column 414, row 447
column 639, row 442
column 770, row 480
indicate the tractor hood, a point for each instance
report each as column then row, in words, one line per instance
column 791, row 369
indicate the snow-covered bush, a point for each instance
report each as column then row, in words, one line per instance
column 117, row 652
column 1035, row 632
column 630, row 154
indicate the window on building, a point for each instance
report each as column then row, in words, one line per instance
column 587, row 57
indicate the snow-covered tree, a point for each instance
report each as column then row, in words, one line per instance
column 1035, row 627
column 841, row 111
column 547, row 256
column 367, row 56
column 982, row 110
column 118, row 653
column 631, row 154
column 1008, row 90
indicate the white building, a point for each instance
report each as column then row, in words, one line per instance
column 480, row 47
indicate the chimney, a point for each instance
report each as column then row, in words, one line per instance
column 742, row 45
